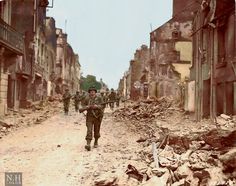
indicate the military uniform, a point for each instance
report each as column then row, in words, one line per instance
column 77, row 99
column 112, row 97
column 106, row 98
column 117, row 100
column 66, row 101
column 93, row 118
column 82, row 98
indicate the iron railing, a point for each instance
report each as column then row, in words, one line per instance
column 10, row 38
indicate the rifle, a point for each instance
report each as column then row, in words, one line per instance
column 88, row 108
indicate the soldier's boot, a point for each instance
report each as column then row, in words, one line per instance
column 88, row 147
column 96, row 143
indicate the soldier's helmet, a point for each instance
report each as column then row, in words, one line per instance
column 112, row 90
column 92, row 88
column 77, row 92
column 67, row 89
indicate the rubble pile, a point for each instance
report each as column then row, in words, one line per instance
column 36, row 113
column 187, row 153
column 146, row 110
column 200, row 158
column 226, row 122
column 200, row 164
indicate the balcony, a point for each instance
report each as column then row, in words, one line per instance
column 10, row 38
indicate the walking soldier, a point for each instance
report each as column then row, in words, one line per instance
column 66, row 101
column 93, row 105
column 77, row 99
column 112, row 98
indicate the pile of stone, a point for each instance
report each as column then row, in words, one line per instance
column 210, row 159
column 36, row 113
column 146, row 110
column 226, row 122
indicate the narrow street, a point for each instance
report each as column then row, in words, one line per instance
column 52, row 153
column 168, row 67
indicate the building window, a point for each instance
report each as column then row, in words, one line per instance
column 176, row 34
column 163, row 70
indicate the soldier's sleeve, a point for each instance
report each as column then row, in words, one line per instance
column 103, row 101
column 85, row 102
column 82, row 100
column 99, row 102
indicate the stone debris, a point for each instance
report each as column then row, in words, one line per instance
column 5, row 125
column 36, row 113
column 204, row 155
column 106, row 182
column 193, row 155
column 132, row 172
column 146, row 110
column 193, row 167
column 225, row 122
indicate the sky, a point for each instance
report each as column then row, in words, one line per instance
column 106, row 33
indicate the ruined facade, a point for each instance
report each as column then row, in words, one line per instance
column 51, row 46
column 29, row 18
column 124, row 88
column 40, row 67
column 213, row 72
column 67, row 65
column 139, row 78
column 28, row 45
column 132, row 85
column 163, row 69
column 11, row 52
column 76, row 73
column 171, row 53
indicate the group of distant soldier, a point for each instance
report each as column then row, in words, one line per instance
column 111, row 97
column 78, row 98
column 94, row 103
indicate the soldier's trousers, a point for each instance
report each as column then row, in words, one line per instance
column 76, row 106
column 111, row 105
column 66, row 107
column 93, row 126
column 117, row 103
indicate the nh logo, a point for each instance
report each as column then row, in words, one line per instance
column 13, row 179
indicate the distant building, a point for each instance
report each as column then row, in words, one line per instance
column 51, row 47
column 171, row 52
column 67, row 65
column 133, row 82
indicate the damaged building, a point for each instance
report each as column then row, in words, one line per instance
column 28, row 53
column 171, row 53
column 67, row 65
column 133, row 84
column 11, row 53
column 213, row 72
